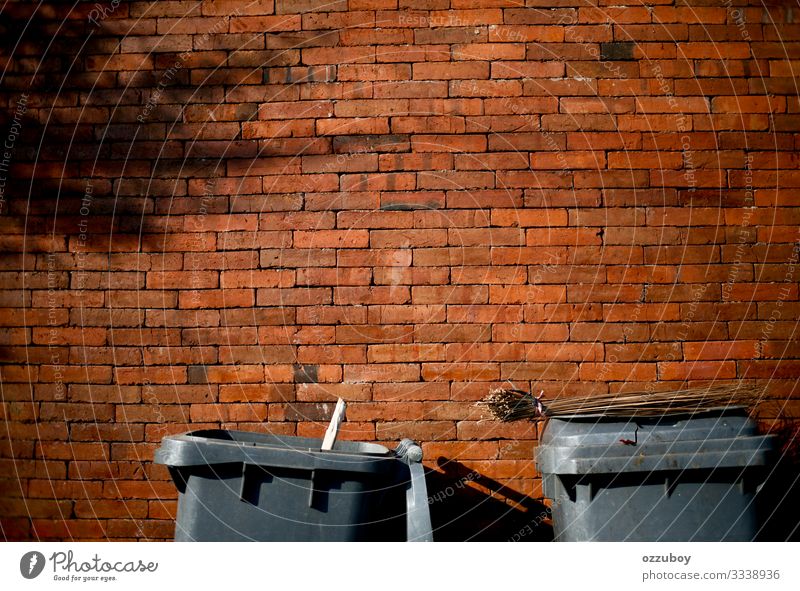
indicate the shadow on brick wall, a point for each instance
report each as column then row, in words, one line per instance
column 777, row 501
column 468, row 506
column 45, row 82
column 74, row 153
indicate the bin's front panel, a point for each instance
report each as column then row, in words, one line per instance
column 665, row 506
column 227, row 503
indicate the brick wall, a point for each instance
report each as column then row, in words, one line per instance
column 227, row 214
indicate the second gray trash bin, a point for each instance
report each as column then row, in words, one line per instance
column 675, row 478
column 239, row 486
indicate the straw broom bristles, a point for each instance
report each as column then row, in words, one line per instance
column 514, row 405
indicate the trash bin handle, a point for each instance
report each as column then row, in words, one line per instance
column 418, row 515
column 408, row 451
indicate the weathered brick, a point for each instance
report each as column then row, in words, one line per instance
column 457, row 71
column 403, row 203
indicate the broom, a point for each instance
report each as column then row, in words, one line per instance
column 514, row 405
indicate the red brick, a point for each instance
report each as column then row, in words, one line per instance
column 697, row 370
column 513, row 333
column 720, row 350
column 517, row 33
column 367, row 36
column 449, row 143
column 748, row 104
column 338, row 20
column 672, row 105
column 339, row 55
column 489, row 51
column 428, row 124
column 179, row 279
column 327, row 392
column 685, row 14
column 371, row 295
column 470, row 351
column 413, row 276
column 371, row 108
column 479, row 372
column 771, row 369
column 539, row 371
column 526, row 294
column 255, row 278
column 295, row 110
column 110, row 508
column 418, row 430
column 352, row 126
column 563, row 352
column 464, row 450
column 451, row 71
column 385, row 411
column 331, row 239
column 240, row 24
column 372, row 334
column 762, row 292
column 464, row 333
column 353, row 276
column 625, row 372
column 455, row 180
column 385, row 372
column 713, row 50
column 641, row 312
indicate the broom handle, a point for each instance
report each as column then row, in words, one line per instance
column 333, row 427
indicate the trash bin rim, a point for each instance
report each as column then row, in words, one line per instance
column 685, row 442
column 196, row 448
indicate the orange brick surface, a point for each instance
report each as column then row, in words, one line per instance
column 227, row 214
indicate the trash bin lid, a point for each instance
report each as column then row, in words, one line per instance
column 217, row 446
column 605, row 445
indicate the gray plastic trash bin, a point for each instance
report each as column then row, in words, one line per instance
column 239, row 486
column 674, row 478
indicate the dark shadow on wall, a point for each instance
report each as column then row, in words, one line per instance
column 468, row 506
column 778, row 505
column 38, row 46
column 124, row 122
column 81, row 162
column 41, row 45
column 49, row 54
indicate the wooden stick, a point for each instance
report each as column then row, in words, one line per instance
column 333, row 427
